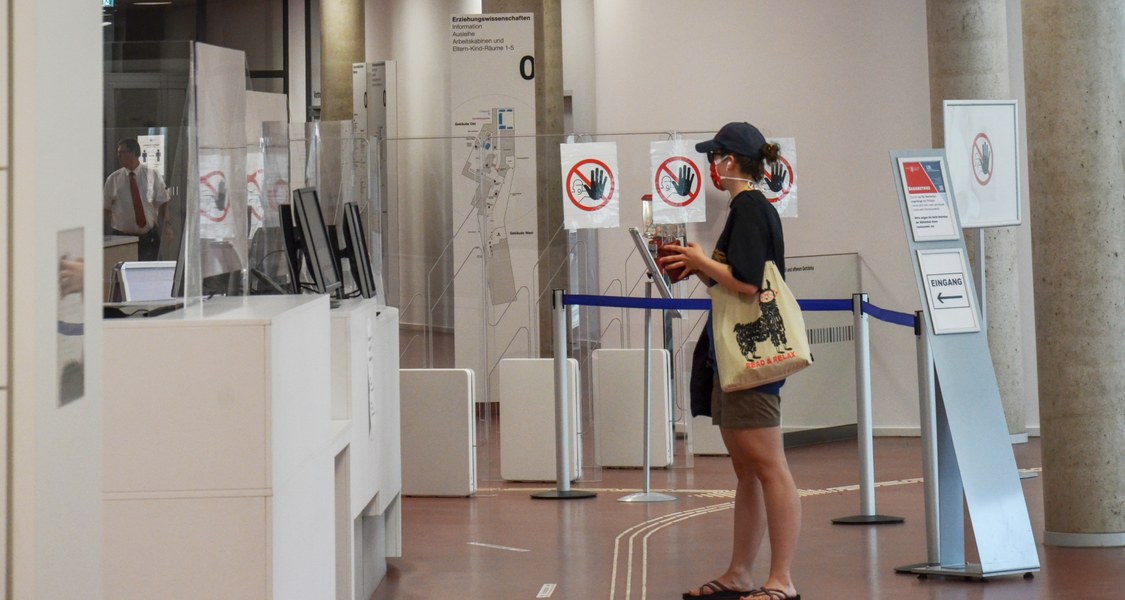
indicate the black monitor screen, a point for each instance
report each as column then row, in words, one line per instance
column 178, row 276
column 293, row 250
column 321, row 261
column 356, row 251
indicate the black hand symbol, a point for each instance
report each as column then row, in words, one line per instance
column 683, row 184
column 777, row 177
column 597, row 187
column 985, row 158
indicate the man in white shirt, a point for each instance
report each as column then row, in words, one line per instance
column 135, row 200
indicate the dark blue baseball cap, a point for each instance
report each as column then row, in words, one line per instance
column 742, row 139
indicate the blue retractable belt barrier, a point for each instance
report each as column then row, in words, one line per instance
column 889, row 316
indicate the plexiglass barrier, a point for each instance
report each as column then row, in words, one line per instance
column 465, row 234
column 471, row 266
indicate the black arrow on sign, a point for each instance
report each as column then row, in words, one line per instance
column 942, row 299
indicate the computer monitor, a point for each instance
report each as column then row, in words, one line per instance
column 147, row 281
column 178, row 274
column 290, row 234
column 313, row 242
column 354, row 250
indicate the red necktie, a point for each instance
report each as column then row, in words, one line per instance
column 138, row 208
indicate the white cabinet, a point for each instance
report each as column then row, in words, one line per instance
column 619, row 408
column 219, row 448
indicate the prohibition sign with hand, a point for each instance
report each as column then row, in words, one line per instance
column 670, row 184
column 214, row 185
column 597, row 188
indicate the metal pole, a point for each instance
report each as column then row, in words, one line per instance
column 647, row 495
column 864, row 432
column 982, row 293
column 927, row 409
column 562, row 394
column 648, row 389
column 863, row 405
column 927, row 405
column 562, row 412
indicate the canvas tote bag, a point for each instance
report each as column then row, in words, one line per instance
column 759, row 339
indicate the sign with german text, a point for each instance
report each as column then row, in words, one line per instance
column 495, row 219
column 948, row 296
column 927, row 199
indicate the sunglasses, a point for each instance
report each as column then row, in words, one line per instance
column 713, row 154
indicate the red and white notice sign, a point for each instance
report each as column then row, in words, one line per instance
column 590, row 185
column 679, row 175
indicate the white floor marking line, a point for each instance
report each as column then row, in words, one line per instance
column 546, row 590
column 651, row 531
column 495, row 547
column 650, row 527
column 639, row 528
column 616, row 554
column 617, row 547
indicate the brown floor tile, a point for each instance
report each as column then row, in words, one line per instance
column 507, row 545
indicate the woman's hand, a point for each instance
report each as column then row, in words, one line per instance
column 683, row 260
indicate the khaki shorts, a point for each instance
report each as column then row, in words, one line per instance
column 744, row 409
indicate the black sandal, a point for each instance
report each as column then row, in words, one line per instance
column 772, row 594
column 718, row 591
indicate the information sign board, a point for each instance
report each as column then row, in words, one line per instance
column 927, row 199
column 951, row 306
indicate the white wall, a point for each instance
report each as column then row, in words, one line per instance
column 56, row 182
column 848, row 80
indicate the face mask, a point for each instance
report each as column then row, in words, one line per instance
column 715, row 179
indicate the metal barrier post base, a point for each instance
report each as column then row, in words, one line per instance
column 564, row 495
column 868, row 520
column 646, row 497
column 967, row 571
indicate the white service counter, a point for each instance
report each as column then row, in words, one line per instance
column 222, row 457
column 365, row 396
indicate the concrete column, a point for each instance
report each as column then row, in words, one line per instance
column 1075, row 80
column 341, row 45
column 968, row 48
column 549, row 127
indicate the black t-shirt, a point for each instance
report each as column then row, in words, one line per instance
column 751, row 236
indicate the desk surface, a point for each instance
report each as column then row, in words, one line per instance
column 242, row 309
column 109, row 241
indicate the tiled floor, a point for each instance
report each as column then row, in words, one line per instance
column 503, row 544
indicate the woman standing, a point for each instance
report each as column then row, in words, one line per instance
column 750, row 420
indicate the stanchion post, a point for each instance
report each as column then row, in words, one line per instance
column 862, row 336
column 562, row 409
column 863, row 407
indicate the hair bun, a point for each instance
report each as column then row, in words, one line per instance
column 771, row 152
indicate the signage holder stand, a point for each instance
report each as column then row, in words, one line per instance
column 647, row 495
column 967, row 452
